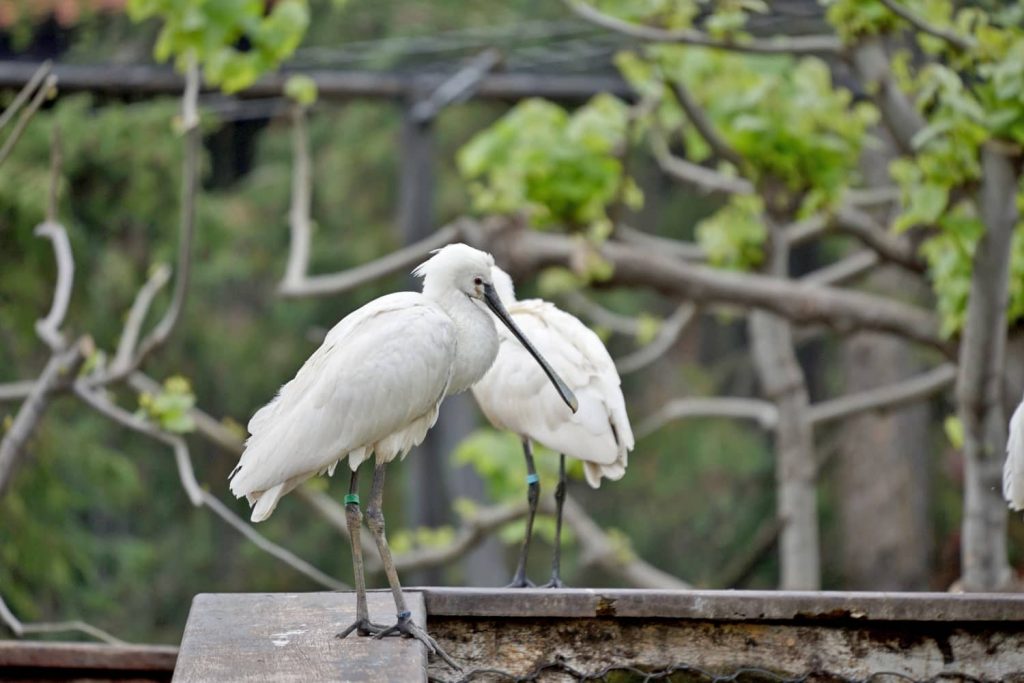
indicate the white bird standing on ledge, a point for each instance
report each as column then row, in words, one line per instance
column 1013, row 470
column 513, row 397
column 375, row 386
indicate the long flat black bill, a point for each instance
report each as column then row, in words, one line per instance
column 494, row 303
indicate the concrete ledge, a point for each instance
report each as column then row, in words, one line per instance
column 726, row 605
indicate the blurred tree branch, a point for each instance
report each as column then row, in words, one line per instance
column 824, row 44
column 962, row 43
column 21, row 629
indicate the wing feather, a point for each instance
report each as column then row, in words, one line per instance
column 517, row 396
column 382, row 369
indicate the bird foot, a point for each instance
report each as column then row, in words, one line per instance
column 363, row 627
column 408, row 629
column 521, row 582
column 555, row 582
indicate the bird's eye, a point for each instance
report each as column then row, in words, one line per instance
column 478, row 281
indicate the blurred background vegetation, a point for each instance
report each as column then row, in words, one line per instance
column 96, row 525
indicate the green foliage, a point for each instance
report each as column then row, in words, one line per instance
column 977, row 99
column 733, row 237
column 854, row 19
column 783, row 116
column 556, row 168
column 301, row 88
column 170, row 408
column 954, row 428
column 210, row 30
column 498, row 458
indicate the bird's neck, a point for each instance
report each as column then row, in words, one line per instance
column 476, row 340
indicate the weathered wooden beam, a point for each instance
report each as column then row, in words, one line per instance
column 733, row 605
column 128, row 80
column 286, row 637
column 27, row 660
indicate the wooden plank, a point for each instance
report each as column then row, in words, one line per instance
column 26, row 654
column 291, row 637
column 145, row 80
column 726, row 605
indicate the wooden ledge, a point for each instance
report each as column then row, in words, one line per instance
column 285, row 637
column 724, row 605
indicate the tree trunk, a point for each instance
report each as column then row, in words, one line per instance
column 882, row 473
column 979, row 384
column 783, row 382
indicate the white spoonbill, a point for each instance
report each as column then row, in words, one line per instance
column 375, row 386
column 513, row 397
column 1013, row 470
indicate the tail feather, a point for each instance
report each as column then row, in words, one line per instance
column 266, row 501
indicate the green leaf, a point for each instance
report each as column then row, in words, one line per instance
column 301, row 88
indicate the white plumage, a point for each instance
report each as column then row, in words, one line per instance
column 516, row 396
column 1013, row 470
column 376, row 383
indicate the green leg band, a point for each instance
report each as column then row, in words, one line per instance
column 352, row 498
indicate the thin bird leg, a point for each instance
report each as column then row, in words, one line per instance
column 532, row 496
column 556, row 558
column 405, row 625
column 354, row 518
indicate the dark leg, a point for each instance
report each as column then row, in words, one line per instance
column 405, row 625
column 532, row 496
column 354, row 518
column 556, row 559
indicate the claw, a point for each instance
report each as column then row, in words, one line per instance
column 407, row 628
column 363, row 627
column 521, row 582
column 555, row 582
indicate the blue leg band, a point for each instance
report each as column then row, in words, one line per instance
column 404, row 615
column 532, row 479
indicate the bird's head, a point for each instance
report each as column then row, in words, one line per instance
column 461, row 268
column 457, row 267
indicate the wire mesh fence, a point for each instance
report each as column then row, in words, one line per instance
column 561, row 670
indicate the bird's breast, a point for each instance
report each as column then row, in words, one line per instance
column 477, row 347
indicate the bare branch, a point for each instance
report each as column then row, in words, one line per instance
column 473, row 531
column 45, row 91
column 762, row 412
column 16, row 391
column 664, row 340
column 405, row 258
column 299, row 213
column 754, row 552
column 960, row 42
column 123, row 359
column 699, row 118
column 843, row 271
column 825, row 44
column 26, row 92
column 108, row 409
column 22, row 629
column 48, row 328
column 261, row 542
column 189, row 191
column 886, row 397
column 890, row 247
column 806, row 230
column 525, row 251
column 598, row 548
column 62, row 368
column 704, row 179
column 601, row 316
column 196, row 494
column 875, row 72
column 678, row 248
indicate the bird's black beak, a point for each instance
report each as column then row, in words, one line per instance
column 494, row 303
